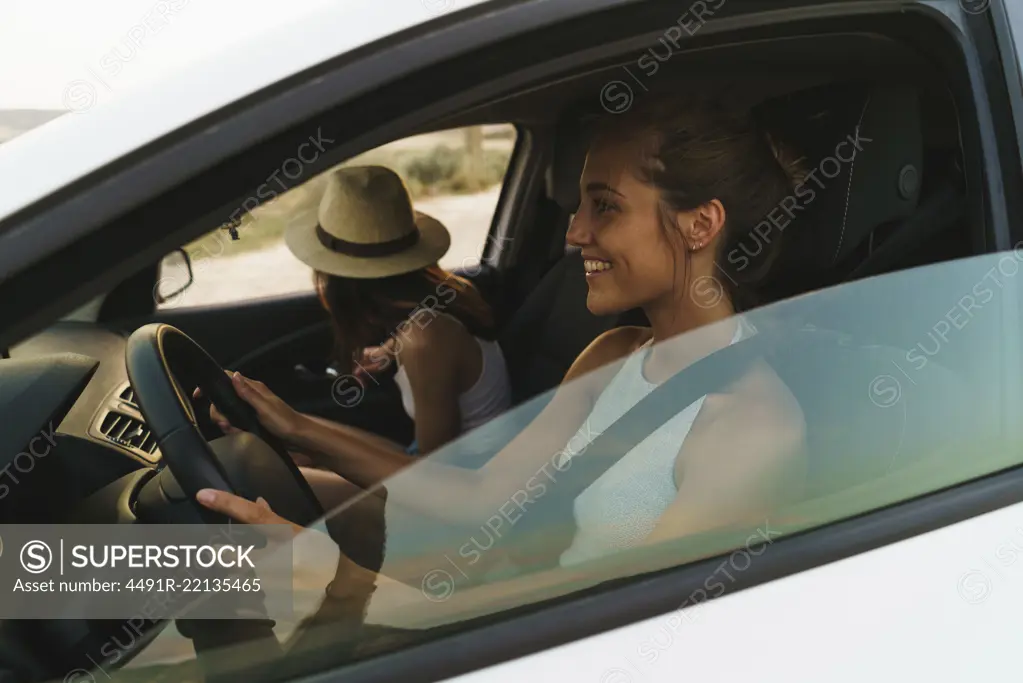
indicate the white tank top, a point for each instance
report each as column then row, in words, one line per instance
column 623, row 505
column 487, row 398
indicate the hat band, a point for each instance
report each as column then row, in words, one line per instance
column 367, row 249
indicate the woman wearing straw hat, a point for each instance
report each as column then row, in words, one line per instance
column 375, row 263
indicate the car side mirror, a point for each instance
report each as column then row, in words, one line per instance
column 175, row 276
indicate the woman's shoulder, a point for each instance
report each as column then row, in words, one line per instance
column 762, row 404
column 621, row 341
column 430, row 336
column 610, row 346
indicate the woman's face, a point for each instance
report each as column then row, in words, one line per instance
column 629, row 260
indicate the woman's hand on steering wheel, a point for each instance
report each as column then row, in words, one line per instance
column 274, row 414
column 242, row 510
column 349, row 577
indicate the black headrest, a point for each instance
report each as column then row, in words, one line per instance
column 568, row 161
column 863, row 147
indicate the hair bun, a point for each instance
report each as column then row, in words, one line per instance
column 788, row 158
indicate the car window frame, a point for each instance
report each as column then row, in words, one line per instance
column 490, row 249
column 998, row 92
column 1007, row 24
column 548, row 626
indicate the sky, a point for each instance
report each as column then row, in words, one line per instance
column 56, row 54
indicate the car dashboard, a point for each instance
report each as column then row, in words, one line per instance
column 72, row 424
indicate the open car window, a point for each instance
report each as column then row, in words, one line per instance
column 906, row 386
column 454, row 175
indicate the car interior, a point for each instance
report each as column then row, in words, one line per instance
column 920, row 203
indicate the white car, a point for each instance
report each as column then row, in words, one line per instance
column 896, row 322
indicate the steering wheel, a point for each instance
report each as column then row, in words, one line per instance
column 162, row 359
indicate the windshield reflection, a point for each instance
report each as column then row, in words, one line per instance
column 899, row 382
column 885, row 402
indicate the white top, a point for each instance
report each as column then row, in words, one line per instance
column 623, row 505
column 487, row 398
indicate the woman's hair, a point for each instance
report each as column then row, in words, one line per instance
column 694, row 151
column 366, row 312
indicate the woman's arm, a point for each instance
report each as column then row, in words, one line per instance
column 285, row 422
column 748, row 463
column 435, row 361
column 431, row 357
column 431, row 486
column 356, row 435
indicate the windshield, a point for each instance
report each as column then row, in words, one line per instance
column 901, row 385
column 14, row 122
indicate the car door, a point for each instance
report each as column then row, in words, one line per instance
column 488, row 643
column 253, row 306
column 907, row 442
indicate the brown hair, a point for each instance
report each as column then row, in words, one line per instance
column 366, row 312
column 697, row 151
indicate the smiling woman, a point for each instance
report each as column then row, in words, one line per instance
column 666, row 191
column 686, row 155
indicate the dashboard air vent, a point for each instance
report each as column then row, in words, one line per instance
column 128, row 431
column 128, row 396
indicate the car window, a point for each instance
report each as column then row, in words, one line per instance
column 454, row 175
column 902, row 384
column 14, row 122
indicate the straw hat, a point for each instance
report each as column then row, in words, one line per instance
column 366, row 228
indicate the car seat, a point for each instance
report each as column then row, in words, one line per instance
column 868, row 410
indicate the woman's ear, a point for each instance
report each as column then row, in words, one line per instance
column 702, row 225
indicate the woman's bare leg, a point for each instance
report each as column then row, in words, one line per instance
column 364, row 434
column 354, row 519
